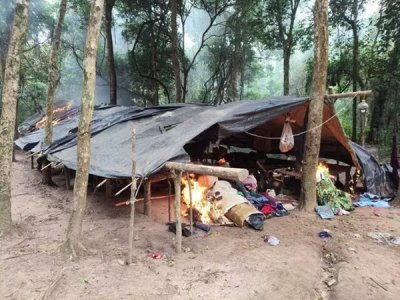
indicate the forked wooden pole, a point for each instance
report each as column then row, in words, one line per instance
column 147, row 198
column 133, row 196
column 178, row 224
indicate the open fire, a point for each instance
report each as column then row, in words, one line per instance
column 321, row 169
column 200, row 204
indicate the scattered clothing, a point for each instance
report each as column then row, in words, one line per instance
column 368, row 199
column 325, row 234
column 250, row 182
column 256, row 221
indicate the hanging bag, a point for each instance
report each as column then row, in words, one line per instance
column 287, row 140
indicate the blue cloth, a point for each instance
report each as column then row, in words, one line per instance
column 368, row 199
column 325, row 212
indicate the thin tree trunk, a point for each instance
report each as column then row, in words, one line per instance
column 354, row 75
column 15, row 131
column 74, row 232
column 175, row 58
column 233, row 91
column 9, row 110
column 286, row 68
column 52, row 85
column 133, row 198
column 313, row 137
column 110, row 51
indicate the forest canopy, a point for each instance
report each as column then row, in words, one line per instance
column 228, row 50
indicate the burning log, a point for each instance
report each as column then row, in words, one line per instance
column 220, row 172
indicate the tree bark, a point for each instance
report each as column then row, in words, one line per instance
column 74, row 232
column 313, row 136
column 175, row 58
column 354, row 75
column 9, row 110
column 52, row 85
column 5, row 41
column 110, row 51
column 233, row 91
column 133, row 198
column 286, row 68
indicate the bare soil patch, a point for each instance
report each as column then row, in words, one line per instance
column 228, row 263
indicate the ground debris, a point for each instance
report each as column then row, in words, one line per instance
column 384, row 237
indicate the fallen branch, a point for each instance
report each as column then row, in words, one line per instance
column 377, row 283
column 23, row 254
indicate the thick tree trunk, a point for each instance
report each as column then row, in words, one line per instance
column 52, row 84
column 175, row 58
column 83, row 148
column 286, row 68
column 9, row 110
column 313, row 136
column 110, row 51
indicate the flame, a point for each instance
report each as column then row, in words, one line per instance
column 56, row 116
column 199, row 199
column 321, row 169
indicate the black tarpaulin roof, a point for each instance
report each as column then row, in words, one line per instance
column 377, row 178
column 162, row 132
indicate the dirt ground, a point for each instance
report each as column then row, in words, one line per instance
column 228, row 263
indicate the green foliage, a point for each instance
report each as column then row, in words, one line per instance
column 328, row 194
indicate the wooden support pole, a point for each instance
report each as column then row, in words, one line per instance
column 32, row 166
column 169, row 200
column 46, row 166
column 147, row 198
column 123, row 189
column 101, row 183
column 191, row 202
column 67, row 179
column 34, row 153
column 108, row 189
column 133, row 196
column 178, row 223
column 222, row 172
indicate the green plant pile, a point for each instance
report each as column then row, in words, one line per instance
column 328, row 194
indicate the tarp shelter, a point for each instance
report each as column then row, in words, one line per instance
column 163, row 132
column 377, row 178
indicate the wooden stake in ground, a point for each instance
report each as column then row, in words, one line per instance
column 9, row 110
column 313, row 136
column 83, row 148
column 52, row 84
column 178, row 223
column 133, row 197
column 147, row 198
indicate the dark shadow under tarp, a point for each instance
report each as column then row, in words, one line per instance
column 377, row 177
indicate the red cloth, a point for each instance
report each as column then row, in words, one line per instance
column 268, row 209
